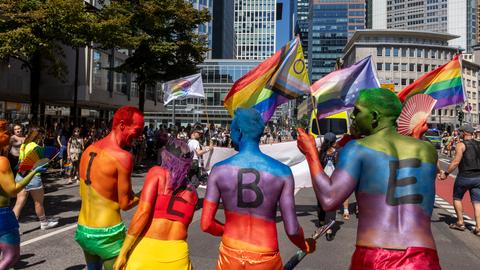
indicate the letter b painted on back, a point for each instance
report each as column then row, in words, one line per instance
column 251, row 187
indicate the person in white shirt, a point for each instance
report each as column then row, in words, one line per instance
column 196, row 148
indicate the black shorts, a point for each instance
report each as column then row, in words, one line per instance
column 462, row 184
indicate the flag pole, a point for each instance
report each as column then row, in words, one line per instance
column 206, row 111
column 312, row 99
column 173, row 117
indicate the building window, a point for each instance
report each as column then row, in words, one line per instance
column 379, row 66
column 404, row 67
column 379, row 51
column 439, row 112
column 404, row 82
column 426, row 67
column 451, row 112
column 411, row 52
column 419, row 67
column 412, row 67
column 387, row 51
column 395, row 66
column 411, row 81
column 395, row 52
column 419, row 52
column 404, row 52
column 387, row 66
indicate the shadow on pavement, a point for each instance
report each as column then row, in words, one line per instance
column 54, row 205
column 76, row 267
column 21, row 264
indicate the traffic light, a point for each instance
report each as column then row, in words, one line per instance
column 460, row 116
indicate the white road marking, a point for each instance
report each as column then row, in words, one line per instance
column 36, row 239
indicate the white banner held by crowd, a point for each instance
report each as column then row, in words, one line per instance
column 286, row 152
column 190, row 86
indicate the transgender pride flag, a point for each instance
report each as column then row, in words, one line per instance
column 338, row 90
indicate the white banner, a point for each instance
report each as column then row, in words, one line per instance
column 190, row 86
column 286, row 152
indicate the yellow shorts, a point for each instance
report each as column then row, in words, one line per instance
column 159, row 254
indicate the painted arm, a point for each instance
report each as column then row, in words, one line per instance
column 142, row 216
column 290, row 222
column 456, row 160
column 126, row 198
column 7, row 181
column 330, row 191
column 208, row 223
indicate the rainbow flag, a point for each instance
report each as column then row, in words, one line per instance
column 186, row 87
column 338, row 90
column 443, row 84
column 273, row 82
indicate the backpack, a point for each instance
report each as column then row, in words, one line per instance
column 329, row 168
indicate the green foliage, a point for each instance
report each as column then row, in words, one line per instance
column 29, row 27
column 161, row 33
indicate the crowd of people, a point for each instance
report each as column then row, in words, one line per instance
column 168, row 199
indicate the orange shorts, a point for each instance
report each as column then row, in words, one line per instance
column 235, row 259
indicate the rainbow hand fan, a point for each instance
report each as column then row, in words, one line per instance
column 415, row 111
column 39, row 156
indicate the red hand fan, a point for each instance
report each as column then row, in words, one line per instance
column 415, row 111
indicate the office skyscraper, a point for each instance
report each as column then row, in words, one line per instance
column 223, row 35
column 458, row 17
column 255, row 28
column 302, row 23
column 206, row 28
column 331, row 24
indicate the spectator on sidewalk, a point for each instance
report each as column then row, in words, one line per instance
column 467, row 159
column 75, row 148
column 15, row 141
column 195, row 173
column 35, row 188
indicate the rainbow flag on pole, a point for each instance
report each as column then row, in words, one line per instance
column 186, row 87
column 338, row 90
column 443, row 84
column 273, row 82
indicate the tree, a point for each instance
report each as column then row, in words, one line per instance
column 162, row 35
column 32, row 31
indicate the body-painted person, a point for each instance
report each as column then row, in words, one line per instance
column 157, row 235
column 105, row 188
column 393, row 177
column 9, row 234
column 251, row 185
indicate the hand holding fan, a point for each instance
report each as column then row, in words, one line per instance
column 38, row 157
column 415, row 112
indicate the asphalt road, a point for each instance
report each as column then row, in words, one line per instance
column 56, row 249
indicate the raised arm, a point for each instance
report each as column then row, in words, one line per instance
column 142, row 216
column 126, row 198
column 290, row 222
column 331, row 191
column 208, row 222
column 7, row 181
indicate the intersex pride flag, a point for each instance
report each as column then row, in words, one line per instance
column 339, row 90
column 443, row 84
column 273, row 82
column 190, row 86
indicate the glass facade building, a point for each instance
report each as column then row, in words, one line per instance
column 332, row 23
column 302, row 24
column 255, row 27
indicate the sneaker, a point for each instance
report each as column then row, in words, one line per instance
column 48, row 223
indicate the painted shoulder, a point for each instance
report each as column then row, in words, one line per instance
column 259, row 161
